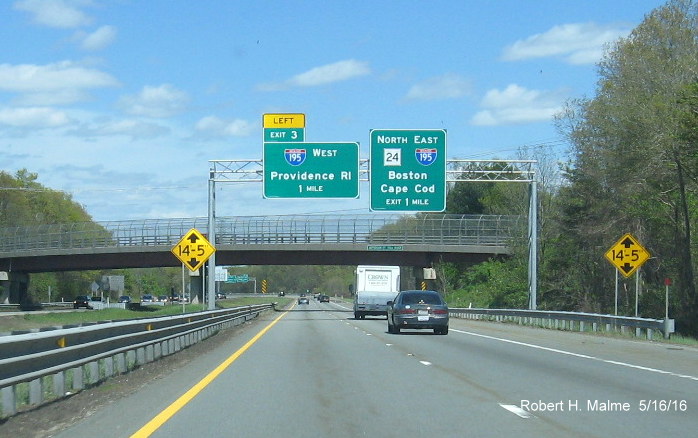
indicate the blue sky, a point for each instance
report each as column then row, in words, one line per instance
column 122, row 103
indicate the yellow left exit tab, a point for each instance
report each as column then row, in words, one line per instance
column 283, row 120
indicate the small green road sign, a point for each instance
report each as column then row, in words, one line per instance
column 244, row 278
column 311, row 170
column 384, row 247
column 284, row 135
column 408, row 169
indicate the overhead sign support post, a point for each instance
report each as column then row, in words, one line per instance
column 211, row 279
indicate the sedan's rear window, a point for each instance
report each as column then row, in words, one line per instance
column 421, row 298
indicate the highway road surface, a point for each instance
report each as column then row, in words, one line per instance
column 315, row 371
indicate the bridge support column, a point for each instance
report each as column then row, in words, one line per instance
column 196, row 287
column 15, row 289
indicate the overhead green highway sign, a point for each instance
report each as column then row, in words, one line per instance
column 408, row 169
column 311, row 170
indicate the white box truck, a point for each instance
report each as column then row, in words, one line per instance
column 375, row 286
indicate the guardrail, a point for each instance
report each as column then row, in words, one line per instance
column 36, row 367
column 573, row 321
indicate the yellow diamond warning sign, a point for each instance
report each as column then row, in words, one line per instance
column 193, row 249
column 627, row 255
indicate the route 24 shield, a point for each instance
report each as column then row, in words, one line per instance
column 424, row 156
column 294, row 157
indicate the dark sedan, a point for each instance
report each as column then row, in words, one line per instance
column 418, row 309
column 82, row 301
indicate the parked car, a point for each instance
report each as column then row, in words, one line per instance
column 418, row 309
column 303, row 300
column 324, row 298
column 82, row 301
column 124, row 299
column 146, row 298
column 162, row 298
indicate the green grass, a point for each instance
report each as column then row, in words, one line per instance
column 30, row 321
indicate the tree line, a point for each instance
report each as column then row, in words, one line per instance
column 632, row 167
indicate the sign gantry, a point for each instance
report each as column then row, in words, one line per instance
column 408, row 171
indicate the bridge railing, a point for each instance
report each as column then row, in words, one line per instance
column 437, row 229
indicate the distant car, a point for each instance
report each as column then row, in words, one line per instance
column 220, row 296
column 147, row 298
column 162, row 298
column 303, row 300
column 324, row 298
column 82, row 301
column 418, row 309
column 124, row 299
column 282, row 293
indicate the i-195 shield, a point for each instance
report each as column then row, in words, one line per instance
column 294, row 157
column 425, row 156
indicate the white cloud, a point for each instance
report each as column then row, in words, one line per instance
column 98, row 39
column 447, row 86
column 326, row 74
column 61, row 82
column 33, row 117
column 212, row 126
column 162, row 101
column 49, row 98
column 56, row 13
column 577, row 43
column 136, row 129
column 516, row 104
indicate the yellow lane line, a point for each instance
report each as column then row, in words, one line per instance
column 182, row 401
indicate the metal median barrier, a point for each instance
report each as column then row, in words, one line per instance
column 573, row 321
column 52, row 363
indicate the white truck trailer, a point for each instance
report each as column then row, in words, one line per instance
column 375, row 286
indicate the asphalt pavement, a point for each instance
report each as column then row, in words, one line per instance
column 315, row 371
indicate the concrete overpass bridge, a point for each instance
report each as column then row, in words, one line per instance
column 262, row 240
column 388, row 239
